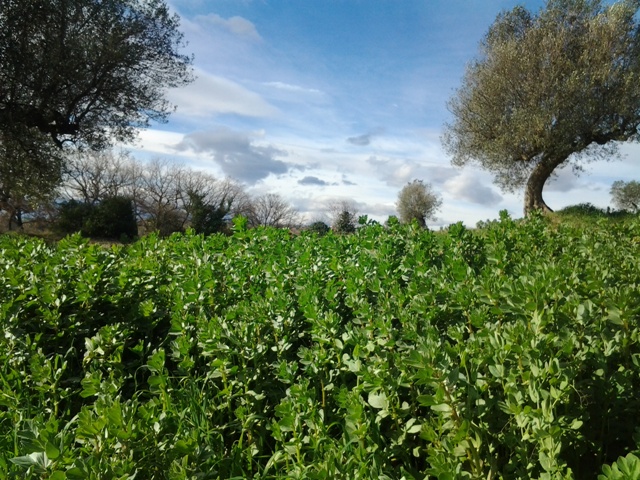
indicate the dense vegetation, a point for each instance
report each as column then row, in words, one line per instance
column 507, row 352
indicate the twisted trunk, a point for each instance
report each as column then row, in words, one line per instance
column 533, row 191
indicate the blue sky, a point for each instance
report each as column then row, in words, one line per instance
column 324, row 100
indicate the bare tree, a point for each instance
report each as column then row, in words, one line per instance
column 230, row 192
column 163, row 192
column 271, row 210
column 160, row 199
column 93, row 176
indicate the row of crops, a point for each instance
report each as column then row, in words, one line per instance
column 511, row 352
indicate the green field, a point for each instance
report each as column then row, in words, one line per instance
column 511, row 352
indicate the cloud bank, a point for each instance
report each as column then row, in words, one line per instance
column 470, row 188
column 236, row 153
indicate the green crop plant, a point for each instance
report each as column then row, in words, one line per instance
column 508, row 352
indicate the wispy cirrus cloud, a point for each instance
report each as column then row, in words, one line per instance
column 212, row 95
column 292, row 88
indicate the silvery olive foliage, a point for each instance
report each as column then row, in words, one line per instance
column 626, row 195
column 418, row 201
column 548, row 89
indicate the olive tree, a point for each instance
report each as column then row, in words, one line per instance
column 549, row 89
column 626, row 195
column 417, row 201
column 26, row 182
column 87, row 71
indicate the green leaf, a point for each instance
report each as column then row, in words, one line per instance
column 497, row 370
column 545, row 462
column 378, row 400
column 52, row 451
column 442, row 407
column 426, row 400
column 630, row 466
column 76, row 473
column 156, row 361
column 615, row 316
column 35, row 459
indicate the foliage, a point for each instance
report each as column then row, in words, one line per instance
column 87, row 71
column 625, row 468
column 205, row 218
column 587, row 212
column 345, row 222
column 417, row 201
column 71, row 217
column 26, row 182
column 549, row 89
column 319, row 227
column 626, row 195
column 511, row 352
column 111, row 218
column 583, row 209
column 343, row 215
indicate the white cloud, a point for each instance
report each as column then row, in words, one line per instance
column 236, row 25
column 212, row 95
column 469, row 187
column 398, row 172
column 156, row 141
column 563, row 180
column 292, row 88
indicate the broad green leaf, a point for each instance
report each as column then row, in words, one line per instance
column 378, row 400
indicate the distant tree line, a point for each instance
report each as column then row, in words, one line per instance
column 99, row 188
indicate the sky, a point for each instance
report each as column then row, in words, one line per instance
column 328, row 100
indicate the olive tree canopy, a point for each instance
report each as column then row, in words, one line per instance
column 626, row 195
column 417, row 201
column 87, row 71
column 548, row 90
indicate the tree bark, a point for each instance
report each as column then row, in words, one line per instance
column 533, row 191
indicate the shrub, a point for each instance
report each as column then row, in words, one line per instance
column 111, row 218
column 72, row 216
column 320, row 228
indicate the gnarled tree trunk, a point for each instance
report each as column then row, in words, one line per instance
column 533, row 190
